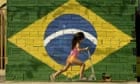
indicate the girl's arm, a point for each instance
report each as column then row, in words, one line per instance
column 80, row 49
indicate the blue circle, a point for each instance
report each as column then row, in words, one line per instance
column 60, row 47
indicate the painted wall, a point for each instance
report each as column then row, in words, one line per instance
column 39, row 37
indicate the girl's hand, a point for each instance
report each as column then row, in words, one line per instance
column 87, row 48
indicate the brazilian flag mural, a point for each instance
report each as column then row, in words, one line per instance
column 39, row 37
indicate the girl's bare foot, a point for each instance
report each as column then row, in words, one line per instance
column 83, row 78
column 52, row 78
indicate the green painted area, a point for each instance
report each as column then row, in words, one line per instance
column 22, row 13
column 24, row 67
column 119, row 12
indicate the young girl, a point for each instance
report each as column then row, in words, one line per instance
column 73, row 57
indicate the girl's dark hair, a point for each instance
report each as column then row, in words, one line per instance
column 76, row 39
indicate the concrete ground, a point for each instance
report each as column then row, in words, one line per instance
column 8, row 82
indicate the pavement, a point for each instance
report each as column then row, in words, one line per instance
column 10, row 82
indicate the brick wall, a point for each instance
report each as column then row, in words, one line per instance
column 113, row 22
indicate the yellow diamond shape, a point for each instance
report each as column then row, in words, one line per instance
column 31, row 38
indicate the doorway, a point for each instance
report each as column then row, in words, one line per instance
column 2, row 40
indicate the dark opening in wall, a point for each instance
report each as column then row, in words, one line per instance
column 2, row 40
column 137, row 29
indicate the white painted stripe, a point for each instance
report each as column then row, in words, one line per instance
column 69, row 31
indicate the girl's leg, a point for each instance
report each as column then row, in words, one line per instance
column 78, row 62
column 62, row 70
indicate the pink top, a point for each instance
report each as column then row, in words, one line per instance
column 74, row 52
